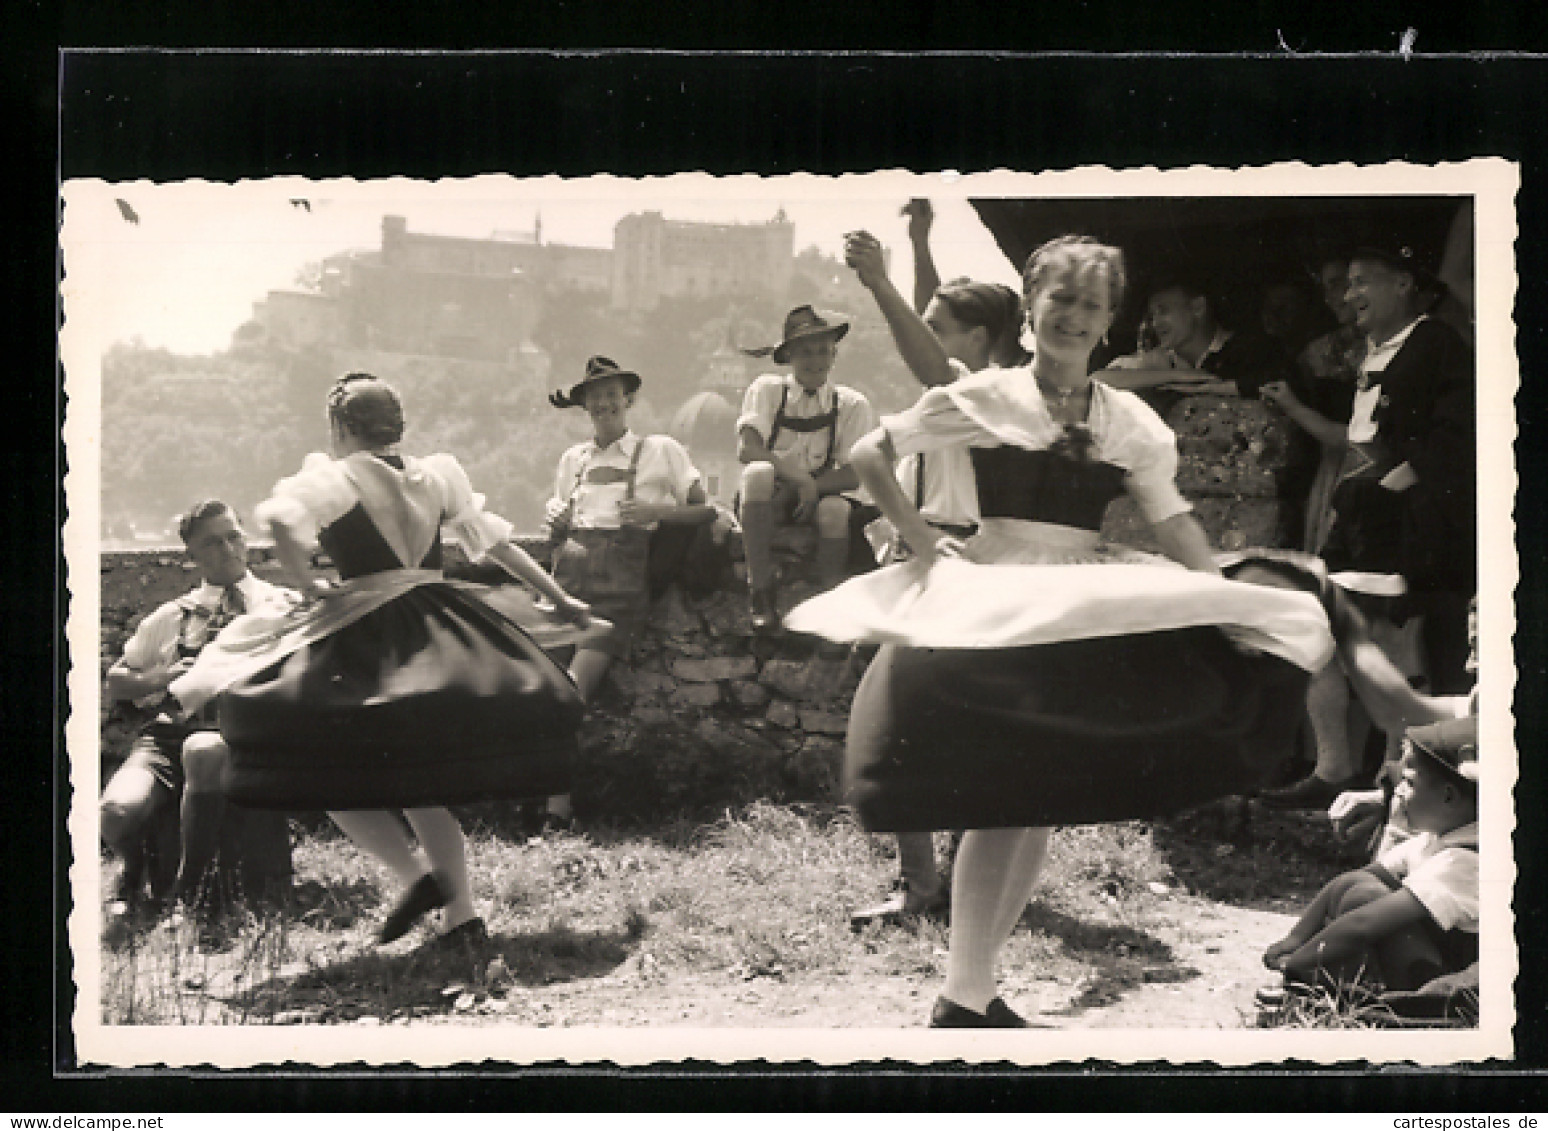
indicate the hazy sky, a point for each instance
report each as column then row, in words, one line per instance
column 187, row 273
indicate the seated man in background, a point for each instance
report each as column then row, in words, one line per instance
column 793, row 438
column 176, row 757
column 1194, row 353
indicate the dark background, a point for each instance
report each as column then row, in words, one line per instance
column 226, row 116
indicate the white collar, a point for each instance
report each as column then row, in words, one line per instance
column 622, row 444
column 1394, row 343
column 1463, row 836
column 800, row 390
column 1216, row 344
column 210, row 595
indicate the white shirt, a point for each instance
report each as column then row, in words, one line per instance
column 407, row 506
column 664, row 475
column 153, row 649
column 1362, row 419
column 1442, row 874
column 761, row 403
column 950, row 489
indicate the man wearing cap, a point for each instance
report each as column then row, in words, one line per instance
column 794, row 437
column 1403, row 533
column 180, row 758
column 1412, row 915
column 610, row 493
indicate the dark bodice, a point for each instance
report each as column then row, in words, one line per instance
column 357, row 547
column 1044, row 486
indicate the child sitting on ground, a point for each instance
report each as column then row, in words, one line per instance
column 1412, row 915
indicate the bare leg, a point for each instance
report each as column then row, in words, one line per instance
column 441, row 838
column 995, row 872
column 381, row 833
column 203, row 810
column 1327, row 701
column 587, row 669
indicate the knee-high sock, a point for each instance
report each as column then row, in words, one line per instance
column 382, row 835
column 441, row 837
column 916, row 862
column 1327, row 703
column 832, row 557
column 757, row 543
column 982, row 883
column 201, row 815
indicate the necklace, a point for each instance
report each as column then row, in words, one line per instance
column 1059, row 397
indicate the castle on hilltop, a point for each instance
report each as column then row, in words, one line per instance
column 480, row 298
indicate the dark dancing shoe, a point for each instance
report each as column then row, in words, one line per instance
column 464, row 936
column 1311, row 792
column 903, row 904
column 996, row 1015
column 425, row 895
column 763, row 610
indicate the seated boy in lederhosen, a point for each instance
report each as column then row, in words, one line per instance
column 610, row 494
column 794, row 436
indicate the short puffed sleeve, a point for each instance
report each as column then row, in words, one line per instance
column 312, row 498
column 935, row 421
column 1144, row 446
column 473, row 528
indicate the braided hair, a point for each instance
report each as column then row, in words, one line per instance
column 368, row 408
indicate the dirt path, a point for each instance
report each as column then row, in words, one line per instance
column 1207, row 984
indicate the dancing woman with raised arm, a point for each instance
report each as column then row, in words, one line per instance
column 396, row 689
column 1032, row 676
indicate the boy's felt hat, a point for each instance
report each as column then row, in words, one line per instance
column 597, row 369
column 802, row 322
column 1452, row 745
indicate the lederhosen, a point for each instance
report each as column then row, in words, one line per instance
column 861, row 515
column 607, row 568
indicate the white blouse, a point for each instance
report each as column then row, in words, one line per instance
column 407, row 506
column 997, row 407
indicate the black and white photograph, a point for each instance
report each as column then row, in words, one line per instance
column 793, row 617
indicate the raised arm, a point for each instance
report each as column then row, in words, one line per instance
column 927, row 280
column 921, row 349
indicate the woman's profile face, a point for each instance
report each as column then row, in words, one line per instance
column 1070, row 311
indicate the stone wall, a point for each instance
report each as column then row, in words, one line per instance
column 710, row 715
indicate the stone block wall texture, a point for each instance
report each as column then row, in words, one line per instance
column 709, row 715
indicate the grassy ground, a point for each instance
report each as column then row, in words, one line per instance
column 740, row 921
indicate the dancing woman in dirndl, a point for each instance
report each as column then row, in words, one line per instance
column 396, row 689
column 1032, row 676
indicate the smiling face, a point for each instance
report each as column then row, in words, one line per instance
column 219, row 548
column 964, row 343
column 1070, row 312
column 1380, row 297
column 1175, row 316
column 811, row 359
column 607, row 404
